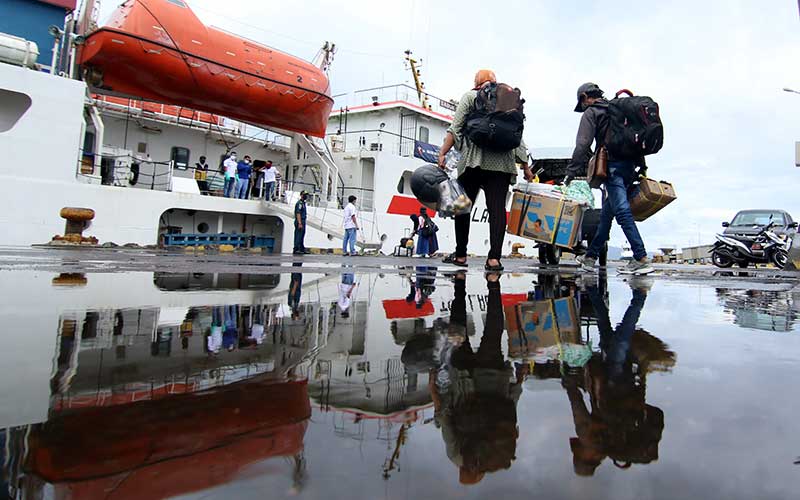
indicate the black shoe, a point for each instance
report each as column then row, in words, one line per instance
column 297, row 252
column 306, row 251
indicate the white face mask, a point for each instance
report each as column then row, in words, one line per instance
column 233, row 157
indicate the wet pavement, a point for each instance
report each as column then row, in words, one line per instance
column 148, row 375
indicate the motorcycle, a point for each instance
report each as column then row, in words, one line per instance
column 764, row 248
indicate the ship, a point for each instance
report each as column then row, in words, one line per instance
column 122, row 140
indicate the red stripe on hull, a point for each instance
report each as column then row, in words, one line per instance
column 406, row 205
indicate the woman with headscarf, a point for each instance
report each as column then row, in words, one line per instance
column 425, row 229
column 479, row 169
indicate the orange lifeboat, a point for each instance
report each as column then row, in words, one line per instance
column 159, row 50
column 169, row 446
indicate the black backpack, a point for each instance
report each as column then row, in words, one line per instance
column 634, row 127
column 497, row 121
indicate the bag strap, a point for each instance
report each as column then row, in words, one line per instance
column 623, row 91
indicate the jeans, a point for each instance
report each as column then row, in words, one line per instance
column 230, row 187
column 268, row 188
column 495, row 189
column 299, row 237
column 241, row 188
column 615, row 343
column 349, row 236
column 619, row 186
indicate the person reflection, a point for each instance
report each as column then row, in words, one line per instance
column 346, row 289
column 475, row 394
column 214, row 337
column 295, row 290
column 620, row 426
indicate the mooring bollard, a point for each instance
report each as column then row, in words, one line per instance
column 76, row 222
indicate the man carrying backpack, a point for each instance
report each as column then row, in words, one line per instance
column 622, row 173
column 487, row 130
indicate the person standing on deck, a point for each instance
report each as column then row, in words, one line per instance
column 479, row 169
column 269, row 180
column 243, row 169
column 300, row 215
column 350, row 227
column 201, row 175
column 230, row 165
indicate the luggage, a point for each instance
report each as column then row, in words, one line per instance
column 634, row 127
column 545, row 218
column 497, row 121
column 597, row 169
column 651, row 197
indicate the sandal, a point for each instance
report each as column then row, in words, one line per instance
column 451, row 259
column 498, row 267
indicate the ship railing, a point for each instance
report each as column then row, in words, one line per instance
column 371, row 141
column 392, row 93
column 365, row 198
column 127, row 171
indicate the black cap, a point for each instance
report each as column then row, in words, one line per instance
column 586, row 88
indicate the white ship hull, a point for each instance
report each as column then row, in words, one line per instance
column 41, row 174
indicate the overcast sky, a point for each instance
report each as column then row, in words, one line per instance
column 716, row 67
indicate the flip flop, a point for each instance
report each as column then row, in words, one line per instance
column 451, row 259
column 497, row 268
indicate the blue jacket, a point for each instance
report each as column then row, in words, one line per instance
column 244, row 169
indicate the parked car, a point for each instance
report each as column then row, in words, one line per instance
column 748, row 223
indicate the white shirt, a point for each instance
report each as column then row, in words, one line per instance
column 344, row 300
column 215, row 339
column 349, row 213
column 230, row 166
column 269, row 174
column 257, row 333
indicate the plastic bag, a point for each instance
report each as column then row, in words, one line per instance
column 453, row 200
column 578, row 191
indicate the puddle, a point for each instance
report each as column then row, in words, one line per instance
column 337, row 383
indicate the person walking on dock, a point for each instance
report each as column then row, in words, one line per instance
column 300, row 216
column 482, row 168
column 350, row 227
column 619, row 183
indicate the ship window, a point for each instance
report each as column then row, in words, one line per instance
column 401, row 185
column 141, row 148
column 180, row 157
column 179, row 3
column 12, row 106
column 424, row 134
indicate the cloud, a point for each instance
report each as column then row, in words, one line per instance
column 715, row 67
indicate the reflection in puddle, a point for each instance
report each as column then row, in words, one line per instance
column 771, row 310
column 232, row 386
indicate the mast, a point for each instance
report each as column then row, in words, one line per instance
column 421, row 94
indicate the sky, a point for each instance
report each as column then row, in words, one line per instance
column 716, row 67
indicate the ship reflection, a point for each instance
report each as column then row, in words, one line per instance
column 174, row 399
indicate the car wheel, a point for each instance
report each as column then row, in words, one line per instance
column 720, row 260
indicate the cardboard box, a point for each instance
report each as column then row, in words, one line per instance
column 542, row 324
column 545, row 219
column 651, row 197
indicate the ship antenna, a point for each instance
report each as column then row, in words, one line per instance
column 421, row 94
